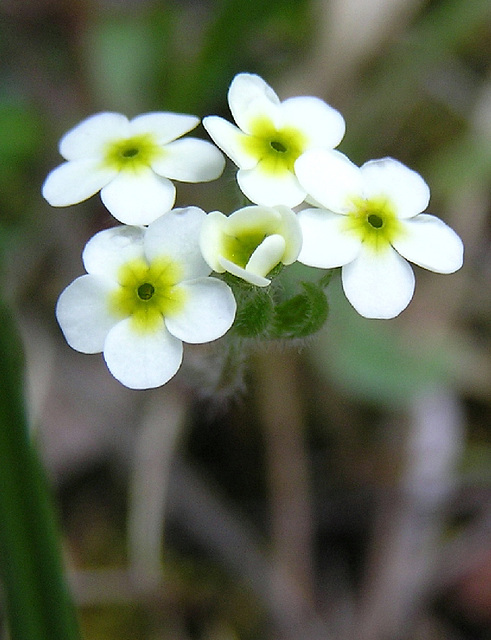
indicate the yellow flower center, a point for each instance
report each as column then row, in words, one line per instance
column 275, row 149
column 148, row 292
column 132, row 154
column 374, row 221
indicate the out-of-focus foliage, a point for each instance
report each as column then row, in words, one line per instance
column 20, row 150
column 35, row 593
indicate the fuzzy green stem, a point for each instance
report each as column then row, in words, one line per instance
column 35, row 593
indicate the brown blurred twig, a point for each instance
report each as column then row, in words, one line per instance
column 408, row 534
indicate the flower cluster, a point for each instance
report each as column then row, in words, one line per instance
column 167, row 276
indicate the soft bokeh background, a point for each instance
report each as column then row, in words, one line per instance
column 346, row 491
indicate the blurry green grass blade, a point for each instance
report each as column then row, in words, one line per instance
column 36, row 597
column 120, row 52
column 227, row 45
column 21, row 141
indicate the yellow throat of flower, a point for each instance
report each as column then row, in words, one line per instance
column 275, row 149
column 132, row 154
column 374, row 221
column 148, row 292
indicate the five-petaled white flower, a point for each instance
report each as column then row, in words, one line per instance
column 145, row 292
column 132, row 162
column 270, row 136
column 370, row 224
column 251, row 241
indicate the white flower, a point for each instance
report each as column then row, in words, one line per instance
column 370, row 225
column 270, row 136
column 132, row 162
column 251, row 241
column 146, row 291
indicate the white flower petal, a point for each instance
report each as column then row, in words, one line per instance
column 89, row 137
column 83, row 313
column 405, row 188
column 250, row 96
column 252, row 217
column 291, row 231
column 325, row 241
column 109, row 249
column 142, row 360
column 323, row 125
column 267, row 255
column 208, row 313
column 248, row 276
column 430, row 243
column 75, row 181
column 329, row 177
column 176, row 235
column 138, row 198
column 165, row 126
column 190, row 160
column 378, row 285
column 231, row 140
column 211, row 233
column 267, row 189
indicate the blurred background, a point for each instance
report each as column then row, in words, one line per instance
column 344, row 490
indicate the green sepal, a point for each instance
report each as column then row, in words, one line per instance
column 325, row 279
column 277, row 311
column 302, row 315
column 254, row 311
